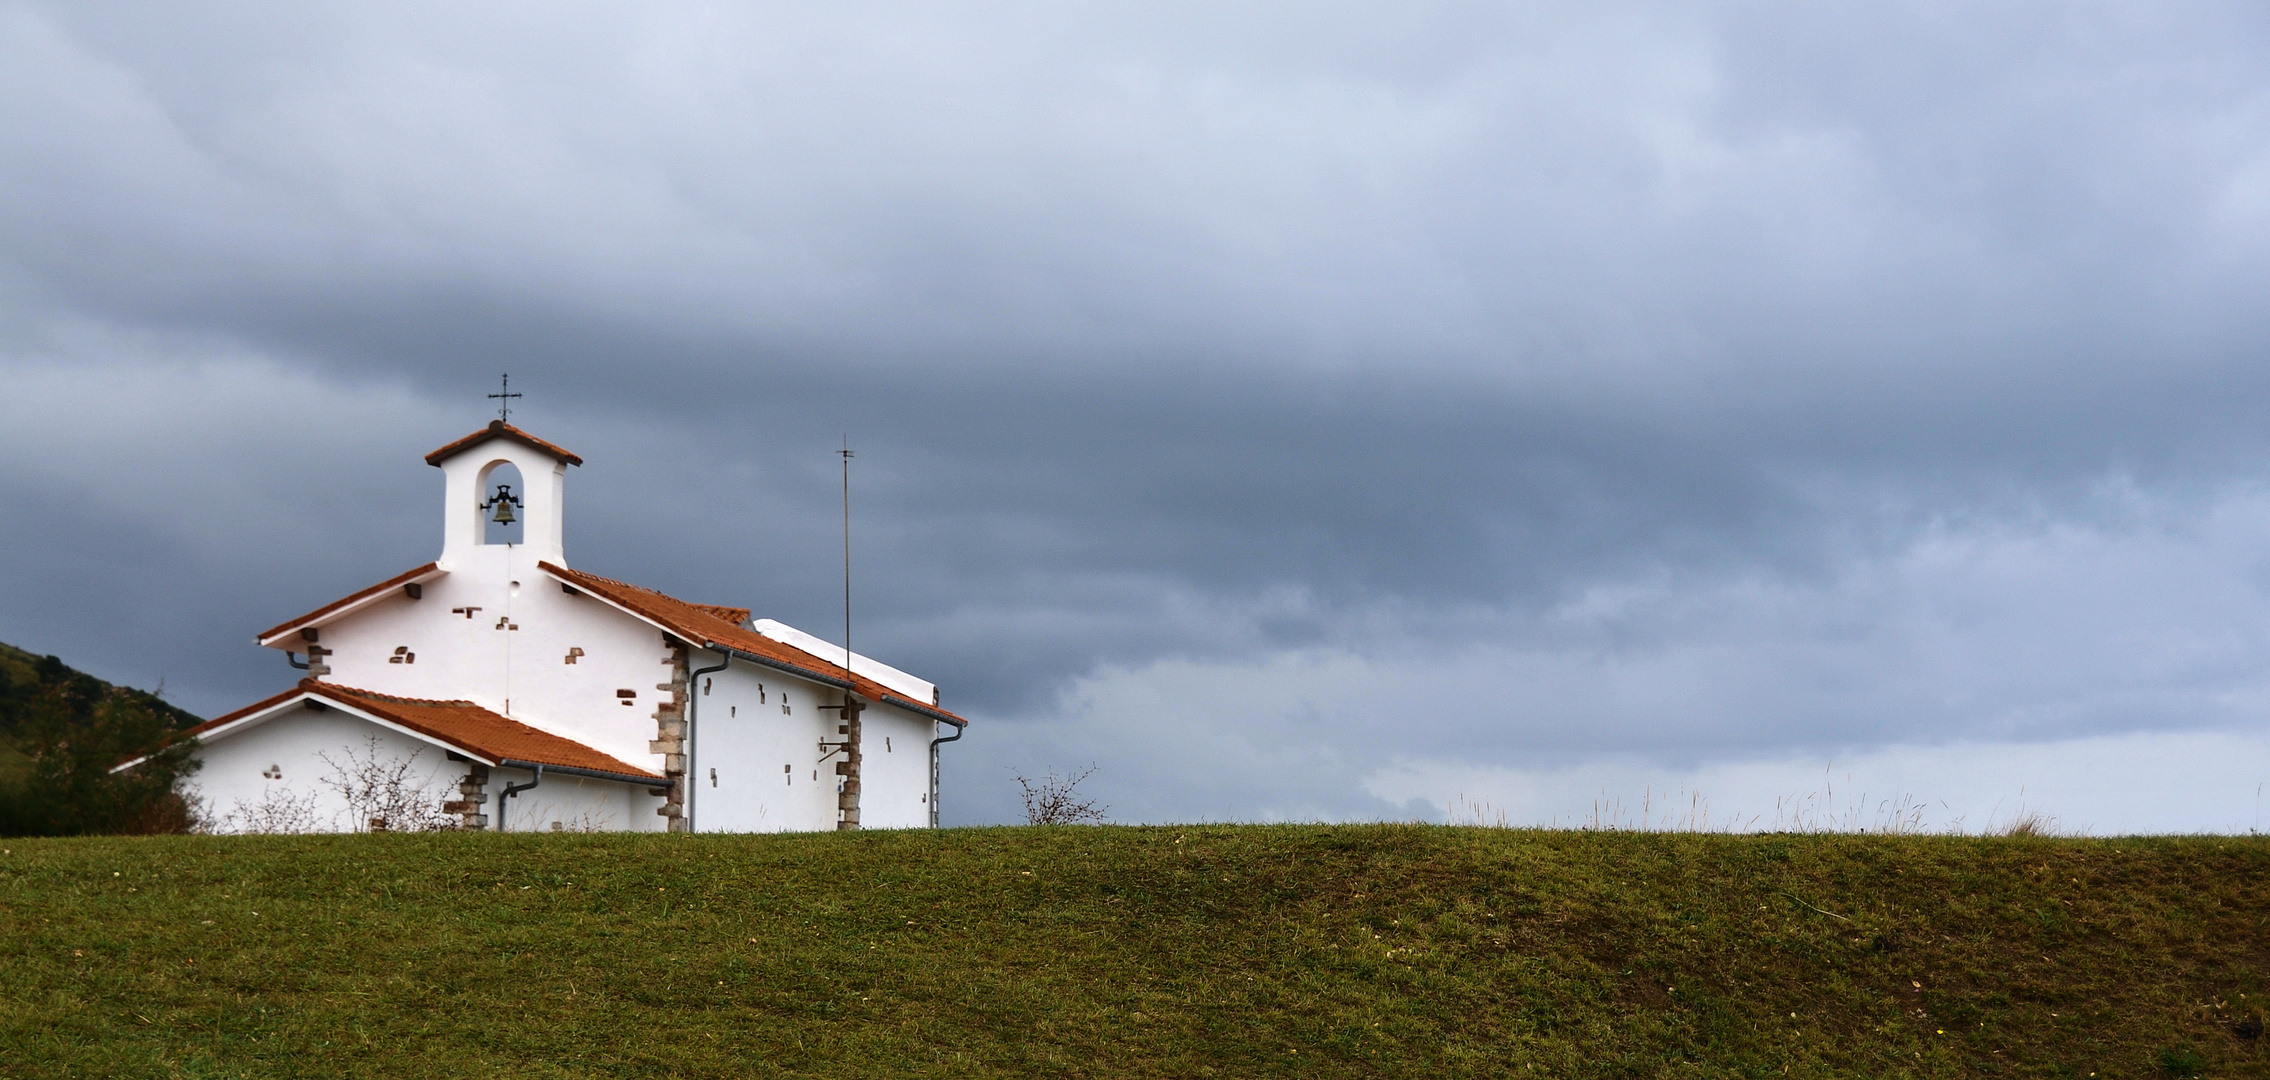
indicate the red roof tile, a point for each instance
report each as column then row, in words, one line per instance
column 734, row 615
column 396, row 581
column 700, row 624
column 498, row 429
column 459, row 724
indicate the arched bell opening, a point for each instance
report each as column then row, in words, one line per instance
column 503, row 512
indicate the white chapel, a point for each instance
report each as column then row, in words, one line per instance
column 495, row 688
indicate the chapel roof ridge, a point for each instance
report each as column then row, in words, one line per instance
column 407, row 577
column 498, row 429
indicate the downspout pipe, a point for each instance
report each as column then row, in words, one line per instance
column 693, row 706
column 958, row 729
column 511, row 790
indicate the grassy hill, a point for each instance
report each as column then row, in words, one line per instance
column 1207, row 951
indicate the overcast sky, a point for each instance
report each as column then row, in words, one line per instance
column 1297, row 412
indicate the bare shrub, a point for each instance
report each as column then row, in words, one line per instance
column 381, row 795
column 279, row 811
column 1056, row 800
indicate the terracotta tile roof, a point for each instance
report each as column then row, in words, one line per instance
column 461, row 725
column 498, row 429
column 700, row 624
column 395, row 582
column 734, row 615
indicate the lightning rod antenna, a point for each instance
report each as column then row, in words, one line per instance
column 846, row 452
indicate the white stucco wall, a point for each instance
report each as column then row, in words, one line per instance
column 756, row 761
column 520, row 668
column 573, row 804
column 895, row 781
column 243, row 791
column 294, row 742
column 758, row 768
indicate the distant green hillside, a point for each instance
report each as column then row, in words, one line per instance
column 1222, row 951
column 25, row 678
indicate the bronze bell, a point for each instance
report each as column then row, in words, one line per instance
column 504, row 503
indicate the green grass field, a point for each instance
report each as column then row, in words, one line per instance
column 1202, row 951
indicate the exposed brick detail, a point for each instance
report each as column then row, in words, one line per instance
column 670, row 732
column 847, row 792
column 473, row 796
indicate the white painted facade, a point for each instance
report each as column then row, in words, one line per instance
column 281, row 772
column 276, row 763
column 486, row 624
column 758, row 766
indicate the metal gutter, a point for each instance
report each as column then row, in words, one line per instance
column 926, row 710
column 780, row 665
column 594, row 774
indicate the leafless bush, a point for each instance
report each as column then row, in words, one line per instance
column 1056, row 800
column 278, row 811
column 382, row 797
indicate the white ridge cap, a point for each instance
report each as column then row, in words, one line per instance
column 922, row 693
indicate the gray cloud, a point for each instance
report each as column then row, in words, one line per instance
column 1187, row 341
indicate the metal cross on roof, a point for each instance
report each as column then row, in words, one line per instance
column 504, row 406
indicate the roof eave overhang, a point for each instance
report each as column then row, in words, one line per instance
column 498, row 429
column 940, row 715
column 648, row 780
column 279, row 635
column 299, row 700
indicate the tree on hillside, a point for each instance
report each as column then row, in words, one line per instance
column 76, row 731
column 25, row 678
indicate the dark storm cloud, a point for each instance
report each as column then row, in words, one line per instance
column 1176, row 336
